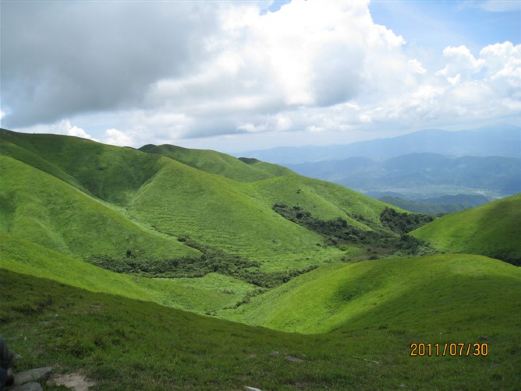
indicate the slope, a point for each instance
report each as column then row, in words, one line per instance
column 211, row 198
column 43, row 209
column 492, row 229
column 422, row 293
column 218, row 212
column 203, row 295
column 107, row 172
column 126, row 344
column 214, row 162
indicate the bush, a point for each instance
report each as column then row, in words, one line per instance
column 402, row 223
column 338, row 232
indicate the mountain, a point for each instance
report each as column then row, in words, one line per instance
column 422, row 175
column 492, row 229
column 502, row 141
column 435, row 205
column 97, row 201
column 110, row 256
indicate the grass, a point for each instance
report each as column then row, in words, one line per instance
column 127, row 344
column 204, row 295
column 107, row 172
column 116, row 199
column 439, row 292
column 64, row 200
column 213, row 210
column 211, row 162
column 45, row 210
column 492, row 229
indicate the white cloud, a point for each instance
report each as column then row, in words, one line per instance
column 417, row 66
column 64, row 127
column 311, row 66
column 78, row 132
column 263, row 68
column 117, row 137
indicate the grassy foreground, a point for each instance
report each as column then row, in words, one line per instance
column 126, row 344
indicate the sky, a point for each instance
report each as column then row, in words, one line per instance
column 243, row 75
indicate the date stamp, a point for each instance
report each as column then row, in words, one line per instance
column 448, row 349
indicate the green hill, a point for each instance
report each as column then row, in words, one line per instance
column 43, row 209
column 107, row 172
column 126, row 344
column 422, row 293
column 217, row 163
column 205, row 294
column 89, row 199
column 492, row 229
column 236, row 239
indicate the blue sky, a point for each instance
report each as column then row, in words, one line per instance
column 438, row 24
column 242, row 75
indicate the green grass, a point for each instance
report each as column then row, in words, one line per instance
column 111, row 173
column 492, row 229
column 45, row 210
column 204, row 295
column 212, row 210
column 422, row 293
column 211, row 161
column 116, row 199
column 126, row 344
column 64, row 200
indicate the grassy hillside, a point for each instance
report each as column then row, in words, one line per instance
column 438, row 292
column 212, row 198
column 205, row 294
column 212, row 162
column 125, row 344
column 111, row 173
column 492, row 229
column 64, row 200
column 43, row 209
column 216, row 211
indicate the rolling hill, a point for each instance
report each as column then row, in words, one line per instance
column 244, row 241
column 492, row 229
column 109, row 338
column 93, row 200
column 413, row 293
column 203, row 295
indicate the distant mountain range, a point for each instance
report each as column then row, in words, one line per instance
column 421, row 175
column 500, row 141
column 435, row 205
column 429, row 171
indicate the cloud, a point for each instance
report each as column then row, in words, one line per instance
column 117, row 137
column 60, row 127
column 190, row 71
column 78, row 132
column 78, row 57
column 500, row 5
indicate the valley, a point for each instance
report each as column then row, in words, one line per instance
column 199, row 270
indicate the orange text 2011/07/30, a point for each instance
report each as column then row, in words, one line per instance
column 448, row 349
